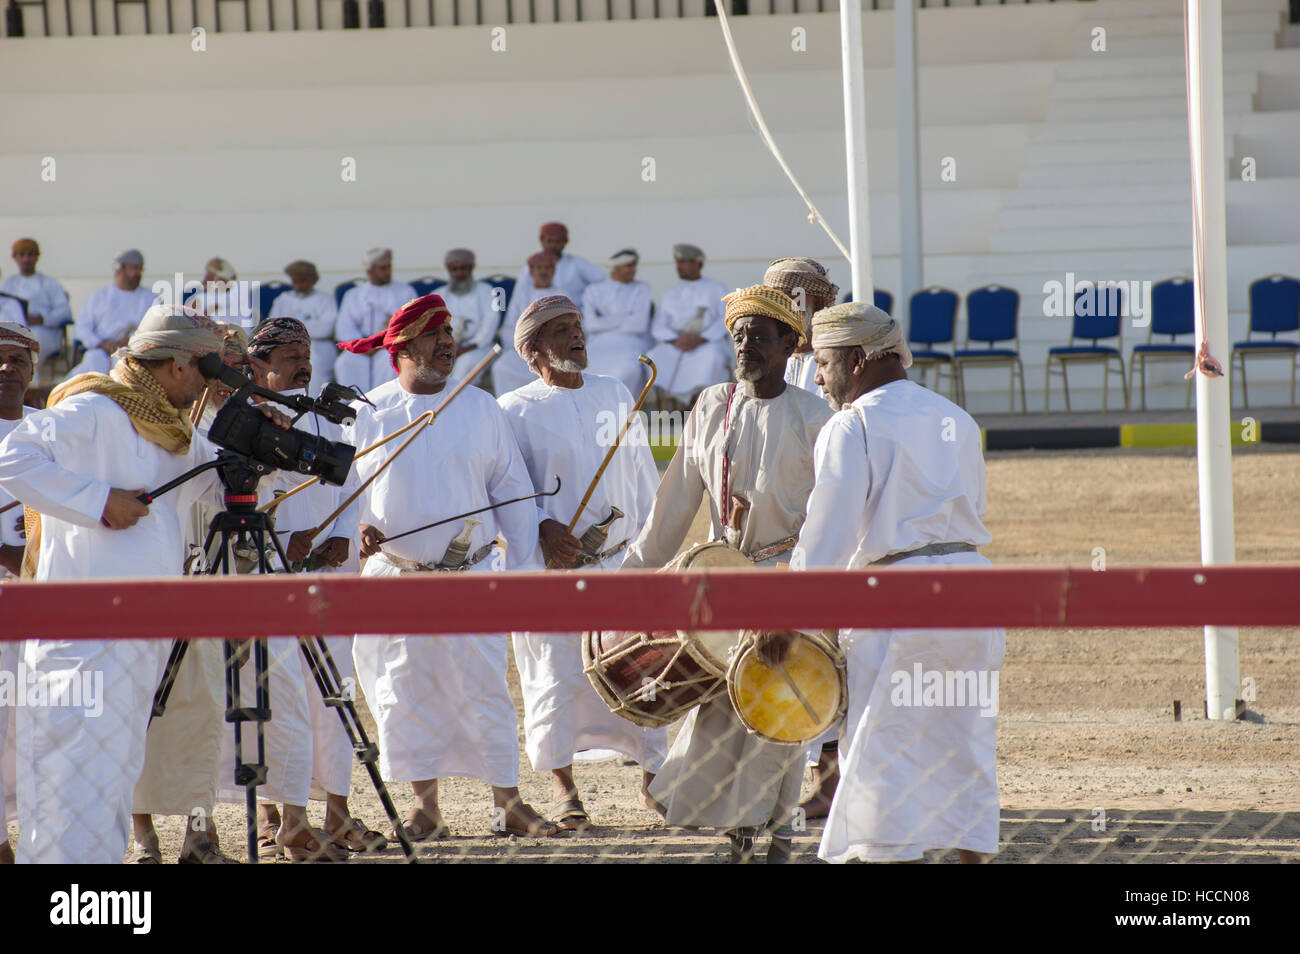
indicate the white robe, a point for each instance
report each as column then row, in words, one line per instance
column 474, row 321
column 912, row 777
column 365, row 311
column 77, row 766
column 318, row 313
column 573, row 274
column 510, row 372
column 10, row 653
column 106, row 316
column 717, row 774
column 694, row 307
column 45, row 297
column 616, row 322
column 441, row 703
column 801, row 371
column 566, row 432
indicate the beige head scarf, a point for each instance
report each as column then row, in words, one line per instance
column 172, row 331
column 859, row 324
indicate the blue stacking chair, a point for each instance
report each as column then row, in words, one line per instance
column 1274, row 308
column 1173, row 313
column 342, row 288
column 427, row 284
column 992, row 317
column 266, row 293
column 932, row 314
column 1102, row 323
column 879, row 297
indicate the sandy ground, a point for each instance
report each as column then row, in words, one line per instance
column 1091, row 764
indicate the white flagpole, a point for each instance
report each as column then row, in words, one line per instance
column 1204, row 20
column 855, row 148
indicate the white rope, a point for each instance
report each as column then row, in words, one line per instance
column 813, row 214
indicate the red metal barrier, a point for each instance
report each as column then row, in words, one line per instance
column 769, row 599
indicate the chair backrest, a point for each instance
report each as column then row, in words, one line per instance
column 342, row 289
column 1275, row 304
column 266, row 293
column 426, row 284
column 991, row 314
column 1097, row 312
column 933, row 314
column 1173, row 307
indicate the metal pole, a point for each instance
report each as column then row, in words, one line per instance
column 855, row 147
column 909, row 150
column 1213, row 393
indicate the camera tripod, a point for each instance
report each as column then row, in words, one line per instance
column 239, row 522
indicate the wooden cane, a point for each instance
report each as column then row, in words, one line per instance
column 609, row 455
column 196, row 414
column 433, row 416
column 424, row 418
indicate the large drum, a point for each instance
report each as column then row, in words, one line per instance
column 654, row 678
column 795, row 702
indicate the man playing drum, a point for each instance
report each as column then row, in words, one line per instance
column 564, row 422
column 900, row 478
column 748, row 446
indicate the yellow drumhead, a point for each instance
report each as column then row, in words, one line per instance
column 767, row 703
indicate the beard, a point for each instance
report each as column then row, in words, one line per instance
column 426, row 373
column 462, row 287
column 750, row 375
column 565, row 365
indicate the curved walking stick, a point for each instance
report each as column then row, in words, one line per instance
column 425, row 418
column 609, row 455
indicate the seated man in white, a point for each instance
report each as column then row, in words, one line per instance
column 48, row 310
column 693, row 350
column 365, row 311
column 318, row 314
column 509, row 371
column 616, row 318
column 109, row 315
column 474, row 315
column 222, row 297
column 573, row 273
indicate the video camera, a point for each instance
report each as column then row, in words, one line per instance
column 241, row 428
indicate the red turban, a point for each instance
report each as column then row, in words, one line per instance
column 554, row 228
column 409, row 322
column 541, row 258
column 26, row 245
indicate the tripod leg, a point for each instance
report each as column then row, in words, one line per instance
column 164, row 690
column 328, row 681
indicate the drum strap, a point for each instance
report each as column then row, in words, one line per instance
column 724, row 501
column 930, row 549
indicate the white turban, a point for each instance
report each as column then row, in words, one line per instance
column 375, row 256
column 626, row 256
column 15, row 334
column 860, row 324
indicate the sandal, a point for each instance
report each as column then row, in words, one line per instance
column 569, row 815
column 355, row 836
column 318, row 849
column 145, row 856
column 542, row 829
column 435, row 832
column 206, row 854
column 267, row 846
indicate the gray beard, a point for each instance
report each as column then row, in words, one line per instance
column 750, row 377
column 461, row 288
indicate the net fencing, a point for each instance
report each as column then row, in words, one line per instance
column 1085, row 740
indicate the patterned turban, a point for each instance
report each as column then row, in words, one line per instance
column 301, row 267
column 222, row 269
column 235, row 341
column 26, row 245
column 687, row 253
column 554, row 228
column 626, row 256
column 542, row 258
column 459, row 256
column 409, row 322
column 374, row 256
column 131, row 256
column 275, row 333
column 538, row 314
column 787, row 274
column 862, row 325
column 172, row 331
column 761, row 300
column 12, row 333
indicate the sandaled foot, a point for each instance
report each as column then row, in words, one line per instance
column 312, row 846
column 569, row 815
column 267, row 846
column 648, row 802
column 423, row 827
column 355, row 836
column 741, row 841
column 523, row 822
column 205, row 853
column 145, row 855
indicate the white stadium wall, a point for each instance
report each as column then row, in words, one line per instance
column 1066, row 159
